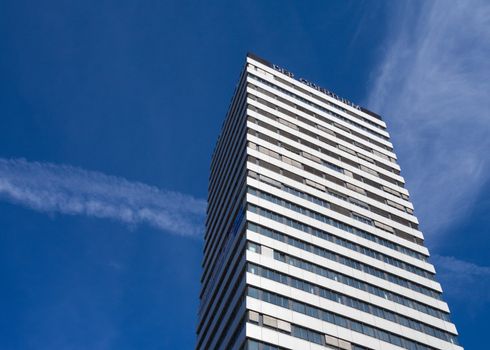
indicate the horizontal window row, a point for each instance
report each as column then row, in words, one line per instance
column 234, row 144
column 296, row 331
column 325, row 163
column 236, row 336
column 366, row 120
column 317, row 160
column 334, row 207
column 314, row 145
column 225, row 292
column 341, row 196
column 317, row 148
column 234, row 114
column 217, row 316
column 320, row 108
column 353, row 282
column 227, row 185
column 320, row 98
column 221, row 217
column 327, row 254
column 338, row 240
column 219, row 264
column 322, row 128
column 338, row 320
column 258, row 345
column 224, row 182
column 384, row 227
column 348, row 301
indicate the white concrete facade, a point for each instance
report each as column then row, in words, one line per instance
column 311, row 240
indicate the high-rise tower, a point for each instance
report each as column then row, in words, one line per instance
column 311, row 241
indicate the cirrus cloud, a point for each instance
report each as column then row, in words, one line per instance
column 432, row 87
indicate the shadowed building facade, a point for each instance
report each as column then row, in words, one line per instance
column 311, row 240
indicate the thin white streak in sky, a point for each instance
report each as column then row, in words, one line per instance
column 462, row 279
column 52, row 188
column 433, row 89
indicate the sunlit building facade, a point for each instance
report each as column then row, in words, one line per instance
column 311, row 240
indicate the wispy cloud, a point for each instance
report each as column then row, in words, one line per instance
column 466, row 269
column 52, row 188
column 433, row 88
column 462, row 278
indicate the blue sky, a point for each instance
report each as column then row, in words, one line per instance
column 109, row 111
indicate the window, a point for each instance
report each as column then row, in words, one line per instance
column 253, row 247
column 252, row 345
column 362, row 219
column 333, row 167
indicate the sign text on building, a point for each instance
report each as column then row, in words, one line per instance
column 316, row 87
